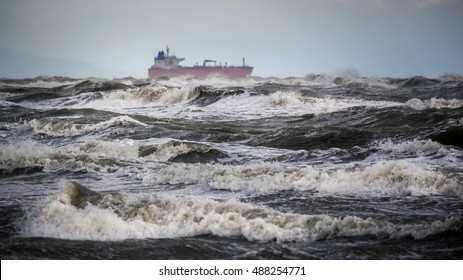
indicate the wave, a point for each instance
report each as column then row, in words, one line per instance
column 29, row 155
column 163, row 151
column 77, row 92
column 434, row 103
column 415, row 147
column 385, row 177
column 24, row 154
column 181, row 151
column 343, row 79
column 396, row 177
column 60, row 127
column 77, row 212
column 349, row 80
column 102, row 156
column 39, row 82
column 288, row 99
column 399, row 177
column 301, row 99
column 4, row 96
column 258, row 98
column 206, row 95
column 417, row 81
column 94, row 85
column 144, row 96
column 258, row 177
column 213, row 81
column 93, row 155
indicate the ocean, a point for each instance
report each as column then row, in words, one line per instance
column 318, row 167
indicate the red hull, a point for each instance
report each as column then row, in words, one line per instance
column 201, row 71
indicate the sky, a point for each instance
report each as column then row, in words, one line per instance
column 280, row 38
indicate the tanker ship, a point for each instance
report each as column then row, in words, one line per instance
column 169, row 65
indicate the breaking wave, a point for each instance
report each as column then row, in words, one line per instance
column 181, row 151
column 60, row 127
column 102, row 156
column 397, row 177
column 144, row 96
column 416, row 147
column 298, row 99
column 93, row 85
column 24, row 154
column 434, row 103
column 79, row 213
column 33, row 155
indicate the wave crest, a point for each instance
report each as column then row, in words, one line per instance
column 434, row 103
column 59, row 127
column 79, row 213
column 145, row 96
column 180, row 151
column 398, row 177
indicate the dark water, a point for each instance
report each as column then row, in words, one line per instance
column 180, row 168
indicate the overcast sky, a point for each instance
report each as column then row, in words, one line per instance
column 281, row 38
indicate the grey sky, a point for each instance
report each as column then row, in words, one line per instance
column 278, row 37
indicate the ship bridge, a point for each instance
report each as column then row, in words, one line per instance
column 166, row 61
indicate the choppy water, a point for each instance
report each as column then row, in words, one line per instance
column 182, row 168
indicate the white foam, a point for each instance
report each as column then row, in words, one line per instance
column 417, row 147
column 309, row 80
column 96, row 155
column 93, row 155
column 124, row 149
column 397, row 177
column 215, row 81
column 434, row 103
column 24, row 154
column 421, row 151
column 297, row 99
column 281, row 103
column 329, row 80
column 258, row 177
column 280, row 98
column 56, row 128
column 117, row 217
column 141, row 97
column 173, row 148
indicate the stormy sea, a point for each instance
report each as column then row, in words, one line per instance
column 319, row 167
